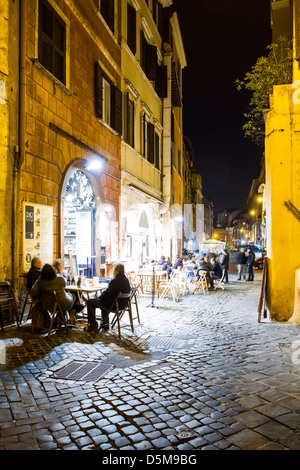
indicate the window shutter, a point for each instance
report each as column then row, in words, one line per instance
column 156, row 146
column 144, row 59
column 117, row 110
column 131, row 28
column 162, row 81
column 108, row 13
column 98, row 91
column 152, row 63
column 151, row 142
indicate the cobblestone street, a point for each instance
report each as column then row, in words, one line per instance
column 198, row 374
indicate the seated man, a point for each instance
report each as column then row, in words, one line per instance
column 216, row 268
column 34, row 272
column 119, row 283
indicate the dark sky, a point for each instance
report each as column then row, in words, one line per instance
column 222, row 41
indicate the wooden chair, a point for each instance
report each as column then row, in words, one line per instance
column 133, row 300
column 56, row 313
column 202, row 283
column 27, row 303
column 218, row 282
column 7, row 302
column 119, row 312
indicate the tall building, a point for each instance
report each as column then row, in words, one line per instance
column 152, row 144
column 92, row 162
column 67, row 184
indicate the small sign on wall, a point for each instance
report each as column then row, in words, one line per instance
column 37, row 233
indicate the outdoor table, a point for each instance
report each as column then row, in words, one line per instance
column 87, row 289
column 150, row 279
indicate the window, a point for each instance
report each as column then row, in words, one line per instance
column 52, row 41
column 107, row 10
column 108, row 100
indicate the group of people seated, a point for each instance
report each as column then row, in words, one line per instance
column 214, row 269
column 41, row 280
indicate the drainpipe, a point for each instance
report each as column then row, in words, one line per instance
column 19, row 151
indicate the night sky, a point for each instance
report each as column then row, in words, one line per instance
column 222, row 41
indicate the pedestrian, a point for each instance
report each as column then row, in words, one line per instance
column 224, row 263
column 241, row 264
column 119, row 283
column 211, row 254
column 250, row 264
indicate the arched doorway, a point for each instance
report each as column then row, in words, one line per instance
column 79, row 218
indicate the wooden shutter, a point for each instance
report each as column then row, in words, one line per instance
column 108, row 13
column 162, row 81
column 156, row 150
column 98, row 91
column 131, row 28
column 152, row 63
column 116, row 110
column 150, row 142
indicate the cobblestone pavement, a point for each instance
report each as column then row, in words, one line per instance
column 198, row 374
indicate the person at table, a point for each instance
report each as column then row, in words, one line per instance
column 165, row 264
column 204, row 265
column 34, row 272
column 59, row 267
column 119, row 283
column 217, row 270
column 49, row 281
column 178, row 262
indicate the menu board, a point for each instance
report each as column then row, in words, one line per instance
column 37, row 233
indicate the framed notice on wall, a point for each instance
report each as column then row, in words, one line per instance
column 37, row 233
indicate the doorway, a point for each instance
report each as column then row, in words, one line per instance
column 79, row 209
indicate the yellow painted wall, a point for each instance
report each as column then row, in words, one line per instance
column 282, row 153
column 132, row 161
column 8, row 126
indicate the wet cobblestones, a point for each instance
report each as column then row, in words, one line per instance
column 199, row 374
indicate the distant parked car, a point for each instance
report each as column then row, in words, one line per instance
column 259, row 263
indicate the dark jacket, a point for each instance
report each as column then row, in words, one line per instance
column 32, row 276
column 41, row 287
column 204, row 266
column 242, row 258
column 119, row 283
column 224, row 261
column 177, row 263
column 217, row 270
column 250, row 258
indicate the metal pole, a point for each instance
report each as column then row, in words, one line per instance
column 153, row 289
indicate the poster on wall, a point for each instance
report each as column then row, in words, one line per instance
column 37, row 233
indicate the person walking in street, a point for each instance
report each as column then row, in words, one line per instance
column 241, row 264
column 250, row 264
column 224, row 263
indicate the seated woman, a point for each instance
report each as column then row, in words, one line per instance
column 49, row 281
